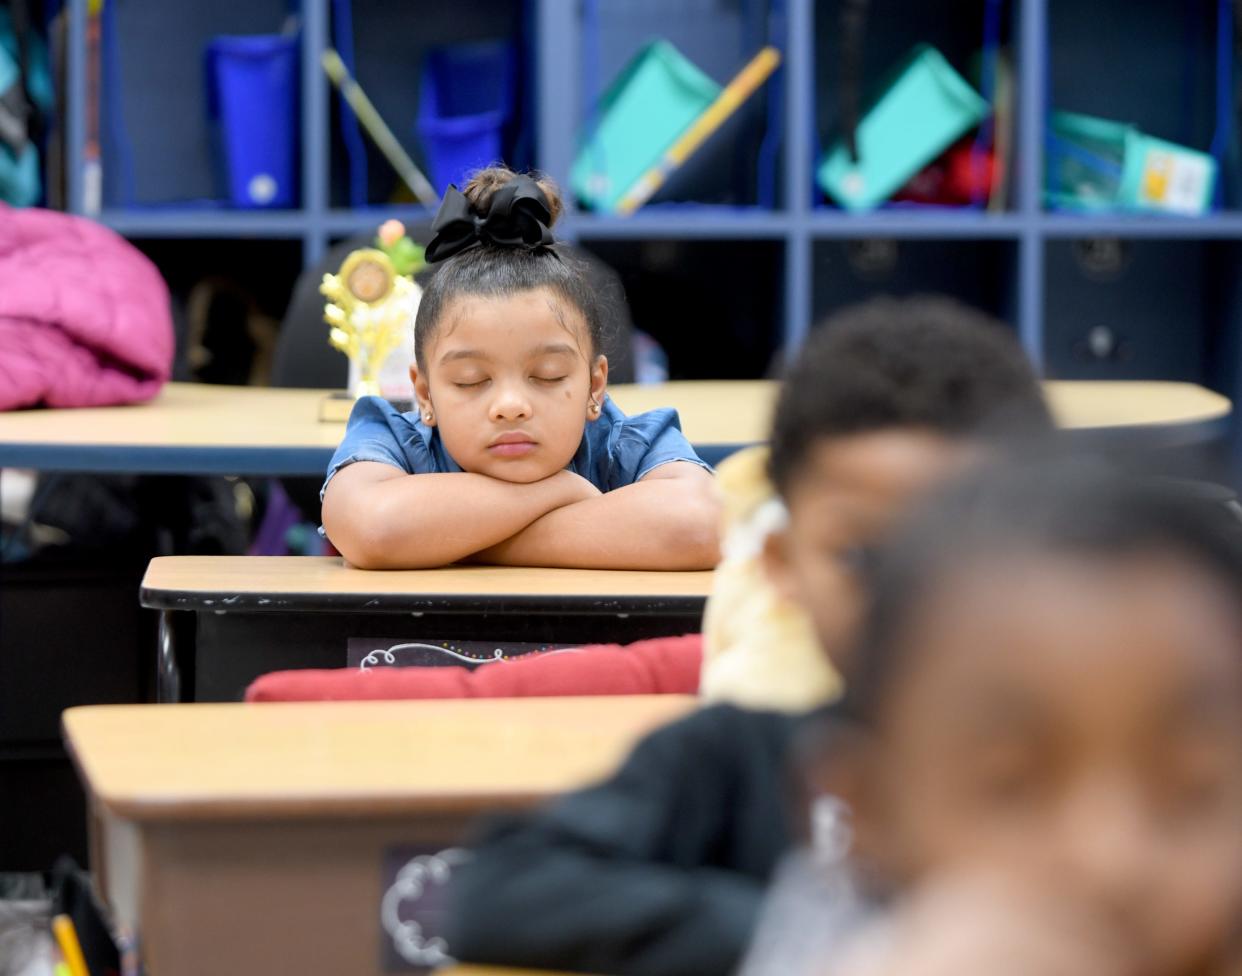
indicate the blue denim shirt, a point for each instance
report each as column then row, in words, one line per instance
column 616, row 450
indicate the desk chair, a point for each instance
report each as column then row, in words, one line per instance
column 658, row 666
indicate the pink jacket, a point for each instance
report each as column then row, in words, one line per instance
column 84, row 317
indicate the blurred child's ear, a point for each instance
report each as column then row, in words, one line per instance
column 836, row 760
column 776, row 565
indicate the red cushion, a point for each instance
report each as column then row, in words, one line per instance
column 662, row 666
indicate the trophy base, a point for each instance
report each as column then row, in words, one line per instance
column 336, row 407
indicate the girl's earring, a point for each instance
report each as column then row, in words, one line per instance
column 427, row 415
column 594, row 406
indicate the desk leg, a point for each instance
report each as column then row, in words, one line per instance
column 167, row 673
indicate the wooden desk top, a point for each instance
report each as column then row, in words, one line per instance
column 198, row 428
column 291, row 583
column 1089, row 405
column 345, row 759
column 187, row 428
column 192, row 428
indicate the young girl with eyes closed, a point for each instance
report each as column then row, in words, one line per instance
column 1037, row 766
column 515, row 454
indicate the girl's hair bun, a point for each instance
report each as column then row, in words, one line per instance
column 484, row 183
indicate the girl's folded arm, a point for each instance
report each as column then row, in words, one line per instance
column 380, row 517
column 667, row 520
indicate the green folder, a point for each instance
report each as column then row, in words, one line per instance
column 924, row 109
column 650, row 104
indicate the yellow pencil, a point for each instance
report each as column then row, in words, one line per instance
column 378, row 129
column 70, row 947
column 743, row 85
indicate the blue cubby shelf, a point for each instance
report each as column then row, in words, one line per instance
column 681, row 222
column 1212, row 227
column 948, row 224
column 207, row 223
column 1025, row 249
column 358, row 220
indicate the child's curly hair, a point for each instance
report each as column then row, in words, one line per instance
column 924, row 363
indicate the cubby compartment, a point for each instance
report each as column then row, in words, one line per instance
column 102, row 651
column 163, row 139
column 1153, row 65
column 983, row 274
column 745, row 208
column 714, row 307
column 859, row 48
column 740, row 163
column 1143, row 309
column 229, row 298
column 390, row 44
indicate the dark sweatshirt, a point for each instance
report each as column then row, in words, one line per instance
column 658, row 871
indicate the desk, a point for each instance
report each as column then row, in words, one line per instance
column 236, row 617
column 255, row 838
column 1167, row 414
column 198, row 429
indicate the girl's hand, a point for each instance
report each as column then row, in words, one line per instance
column 982, row 926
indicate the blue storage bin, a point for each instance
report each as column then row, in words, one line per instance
column 252, row 91
column 466, row 98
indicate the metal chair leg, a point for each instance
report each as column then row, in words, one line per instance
column 167, row 673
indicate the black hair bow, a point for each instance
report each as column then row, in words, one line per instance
column 518, row 217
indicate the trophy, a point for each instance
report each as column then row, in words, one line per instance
column 371, row 303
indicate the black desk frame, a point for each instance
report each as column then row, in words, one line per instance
column 209, row 651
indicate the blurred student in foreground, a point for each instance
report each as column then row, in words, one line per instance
column 661, row 869
column 1036, row 768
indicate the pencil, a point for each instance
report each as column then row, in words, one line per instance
column 70, row 948
column 743, row 85
column 378, row 129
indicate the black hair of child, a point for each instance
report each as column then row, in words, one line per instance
column 494, row 271
column 1061, row 505
column 925, row 362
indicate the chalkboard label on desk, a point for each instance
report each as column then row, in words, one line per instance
column 413, row 906
column 365, row 653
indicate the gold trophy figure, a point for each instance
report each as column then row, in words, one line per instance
column 368, row 311
column 371, row 303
